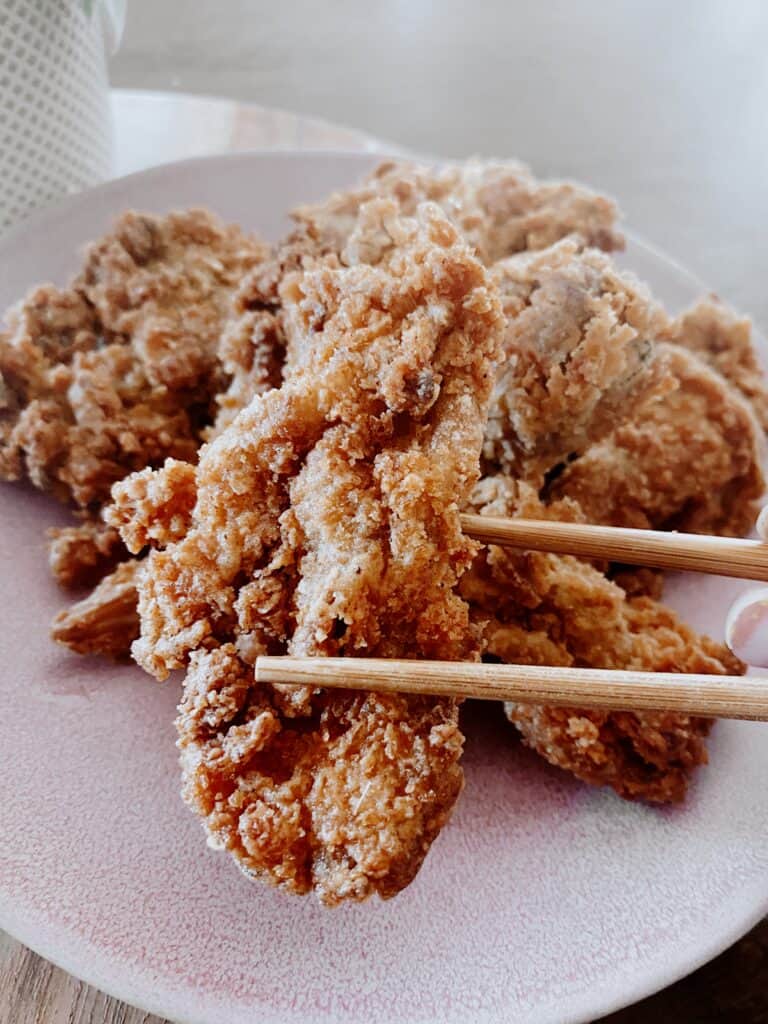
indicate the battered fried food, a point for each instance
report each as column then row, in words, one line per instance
column 326, row 521
column 500, row 209
column 251, row 352
column 579, row 354
column 79, row 556
column 106, row 621
column 119, row 370
column 723, row 339
column 545, row 609
column 690, row 460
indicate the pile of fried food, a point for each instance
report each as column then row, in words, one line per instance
column 267, row 449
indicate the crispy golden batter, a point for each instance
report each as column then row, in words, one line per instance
column 251, row 353
column 690, row 460
column 119, row 372
column 716, row 333
column 153, row 509
column 500, row 209
column 106, row 621
column 80, row 555
column 547, row 609
column 345, row 801
column 326, row 522
column 579, row 353
column 166, row 284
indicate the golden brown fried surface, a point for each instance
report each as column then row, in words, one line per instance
column 80, row 555
column 548, row 609
column 251, row 354
column 578, row 354
column 690, row 460
column 500, row 209
column 166, row 283
column 153, row 509
column 716, row 333
column 106, row 621
column 345, row 801
column 326, row 522
column 119, row 371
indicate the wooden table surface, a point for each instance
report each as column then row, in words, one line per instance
column 663, row 105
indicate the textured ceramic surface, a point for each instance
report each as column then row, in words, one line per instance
column 55, row 125
column 542, row 901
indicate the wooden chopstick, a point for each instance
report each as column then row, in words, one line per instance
column 715, row 696
column 722, row 556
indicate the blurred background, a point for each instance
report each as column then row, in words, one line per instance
column 661, row 104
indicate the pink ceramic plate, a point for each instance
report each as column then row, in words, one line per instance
column 544, row 900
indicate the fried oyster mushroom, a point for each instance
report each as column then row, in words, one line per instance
column 119, row 370
column 579, row 353
column 724, row 340
column 326, row 521
column 500, row 208
column 545, row 609
column 690, row 460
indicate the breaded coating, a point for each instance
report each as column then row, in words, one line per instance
column 106, row 621
column 346, row 801
column 724, row 340
column 690, row 460
column 166, row 283
column 251, row 352
column 578, row 354
column 80, row 555
column 545, row 609
column 119, row 372
column 499, row 207
column 151, row 508
column 327, row 522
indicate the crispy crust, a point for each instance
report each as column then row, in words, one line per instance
column 499, row 208
column 579, row 353
column 119, row 372
column 691, row 460
column 153, row 509
column 79, row 556
column 326, row 522
column 557, row 610
column 724, row 340
column 106, row 621
column 345, row 801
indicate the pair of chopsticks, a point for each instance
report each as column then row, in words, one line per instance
column 686, row 693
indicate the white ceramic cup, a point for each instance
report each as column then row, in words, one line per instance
column 55, row 120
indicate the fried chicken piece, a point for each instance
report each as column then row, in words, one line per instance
column 119, row 371
column 579, row 353
column 545, row 609
column 326, row 521
column 691, row 460
column 80, row 555
column 106, row 621
column 500, row 209
column 724, row 340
